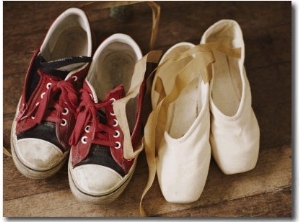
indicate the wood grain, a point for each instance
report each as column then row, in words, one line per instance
column 272, row 174
column 262, row 205
column 262, row 192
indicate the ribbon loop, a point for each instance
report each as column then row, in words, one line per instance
column 66, row 94
column 119, row 106
column 198, row 62
column 88, row 113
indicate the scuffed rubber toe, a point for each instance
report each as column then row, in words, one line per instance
column 36, row 158
column 95, row 180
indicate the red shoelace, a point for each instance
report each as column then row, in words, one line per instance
column 87, row 118
column 58, row 96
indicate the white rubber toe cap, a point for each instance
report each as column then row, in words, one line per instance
column 95, row 179
column 38, row 154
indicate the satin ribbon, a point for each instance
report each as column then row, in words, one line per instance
column 199, row 63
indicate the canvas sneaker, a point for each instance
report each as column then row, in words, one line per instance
column 108, row 123
column 45, row 115
column 235, row 132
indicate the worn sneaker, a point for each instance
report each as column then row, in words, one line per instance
column 98, row 167
column 45, row 116
column 234, row 129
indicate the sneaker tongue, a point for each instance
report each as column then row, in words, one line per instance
column 61, row 67
column 102, row 117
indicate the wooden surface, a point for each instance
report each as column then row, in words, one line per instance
column 265, row 191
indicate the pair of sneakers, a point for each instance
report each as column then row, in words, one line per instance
column 83, row 109
column 201, row 104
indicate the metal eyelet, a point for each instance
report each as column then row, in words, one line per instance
column 42, row 95
column 87, row 129
column 63, row 122
column 37, row 104
column 112, row 100
column 83, row 139
column 118, row 145
column 75, row 78
column 65, row 111
column 48, row 85
column 116, row 123
column 117, row 134
column 32, row 117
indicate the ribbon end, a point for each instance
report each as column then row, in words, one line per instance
column 154, row 56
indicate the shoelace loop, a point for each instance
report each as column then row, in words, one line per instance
column 88, row 116
column 54, row 99
column 59, row 96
